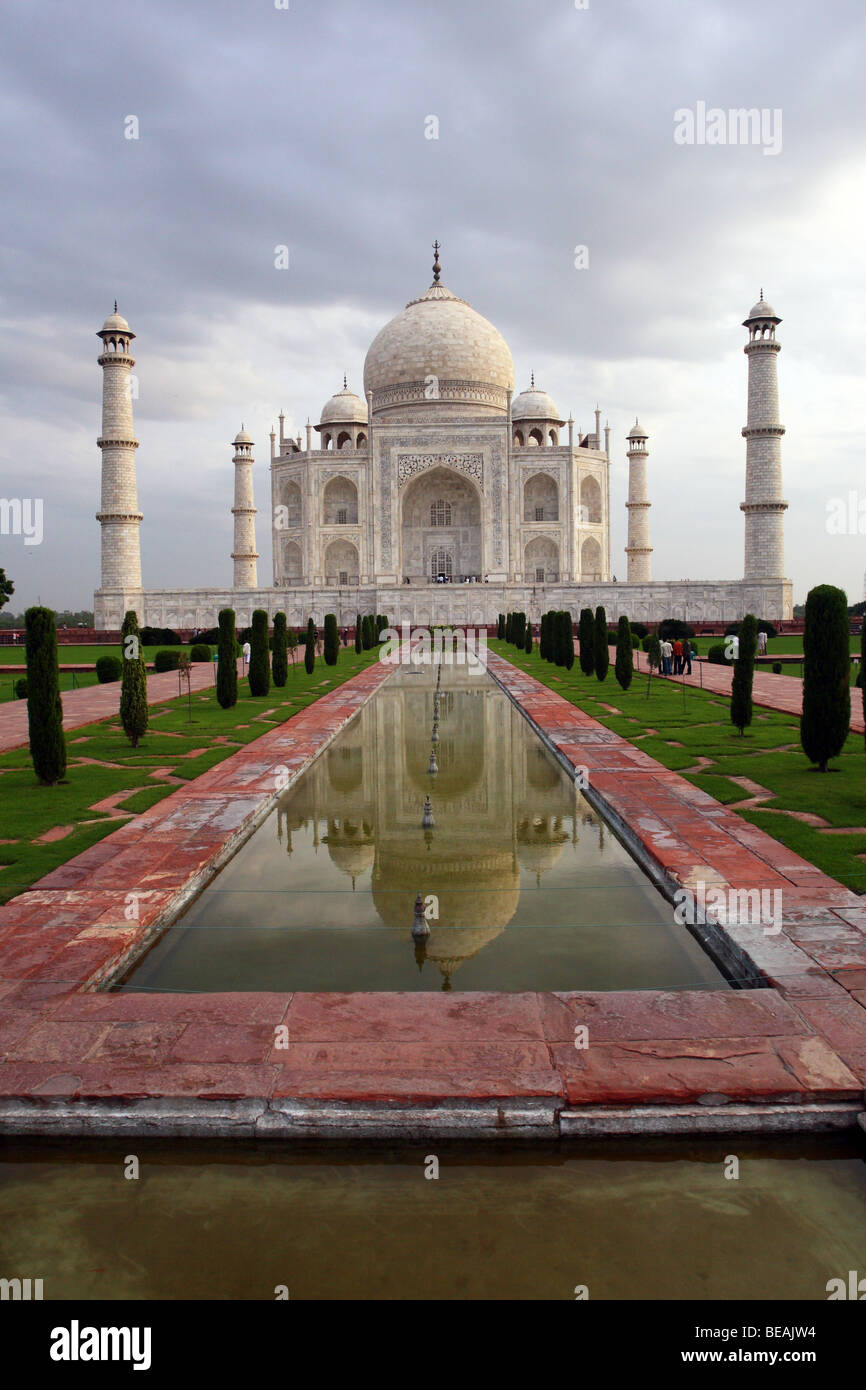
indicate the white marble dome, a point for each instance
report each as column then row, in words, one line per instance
column 762, row 310
column 345, row 405
column 438, row 335
column 535, row 404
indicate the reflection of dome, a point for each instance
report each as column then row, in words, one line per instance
column 539, row 843
column 351, row 846
column 438, row 335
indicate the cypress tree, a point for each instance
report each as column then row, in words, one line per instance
column 568, row 633
column 359, row 645
column 543, row 636
column 744, row 670
column 558, row 639
column 332, row 639
column 826, row 661
column 44, row 707
column 500, row 627
column 227, row 663
column 508, row 625
column 133, row 692
column 586, row 639
column 280, row 663
column 310, row 647
column 527, row 644
column 602, row 657
column 520, row 635
column 259, row 672
column 624, row 668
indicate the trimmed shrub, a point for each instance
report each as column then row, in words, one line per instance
column 280, row 662
column 227, row 663
column 165, row 661
column 259, row 670
column 624, row 666
column 508, row 626
column 108, row 669
column 669, row 629
column 310, row 644
column 133, row 694
column 500, row 627
column 826, row 661
column 744, row 671
column 332, row 639
column 653, row 648
column 359, row 644
column 200, row 651
column 527, row 641
column 586, row 641
column 635, row 641
column 44, row 708
column 641, row 629
column 568, row 640
column 716, row 654
column 777, row 668
column 163, row 636
column 602, row 657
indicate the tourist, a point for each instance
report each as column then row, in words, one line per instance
column 678, row 657
column 687, row 658
column 762, row 643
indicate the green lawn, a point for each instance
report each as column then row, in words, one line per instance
column 28, row 809
column 689, row 724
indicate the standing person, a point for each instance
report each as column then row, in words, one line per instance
column 678, row 657
column 687, row 657
column 762, row 643
column 667, row 649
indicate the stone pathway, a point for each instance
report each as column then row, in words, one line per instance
column 783, row 693
column 97, row 702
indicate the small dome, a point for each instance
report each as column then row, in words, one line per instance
column 116, row 323
column 762, row 310
column 344, row 406
column 636, row 432
column 534, row 404
column 242, row 437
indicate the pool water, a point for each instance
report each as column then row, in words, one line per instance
column 526, row 887
column 628, row 1221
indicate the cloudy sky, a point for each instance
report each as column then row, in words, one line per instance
column 261, row 126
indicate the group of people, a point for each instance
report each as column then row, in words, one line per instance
column 676, row 657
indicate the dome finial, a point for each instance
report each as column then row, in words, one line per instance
column 532, row 381
column 344, row 381
column 115, row 306
column 762, row 292
column 436, row 266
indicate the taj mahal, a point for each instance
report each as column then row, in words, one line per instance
column 441, row 496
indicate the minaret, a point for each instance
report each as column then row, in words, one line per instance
column 638, row 549
column 118, row 513
column 764, row 506
column 244, row 554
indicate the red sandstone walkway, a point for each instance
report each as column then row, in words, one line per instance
column 783, row 693
column 97, row 702
column 792, row 1055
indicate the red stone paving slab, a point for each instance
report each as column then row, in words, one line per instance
column 842, row 1022
column 376, row 1085
column 640, row 1014
column 734, row 1069
column 419, row 1017
column 96, row 702
column 101, row 1080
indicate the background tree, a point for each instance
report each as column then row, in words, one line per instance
column 280, row 660
column 260, row 665
column 586, row 641
column 359, row 643
column 744, row 671
column 7, row 589
column 332, row 639
column 310, row 647
column 624, row 668
column 133, row 691
column 227, row 661
column 44, row 707
column 527, row 644
column 826, row 662
column 602, row 656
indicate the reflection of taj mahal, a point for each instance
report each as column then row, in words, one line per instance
column 439, row 481
column 502, row 807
